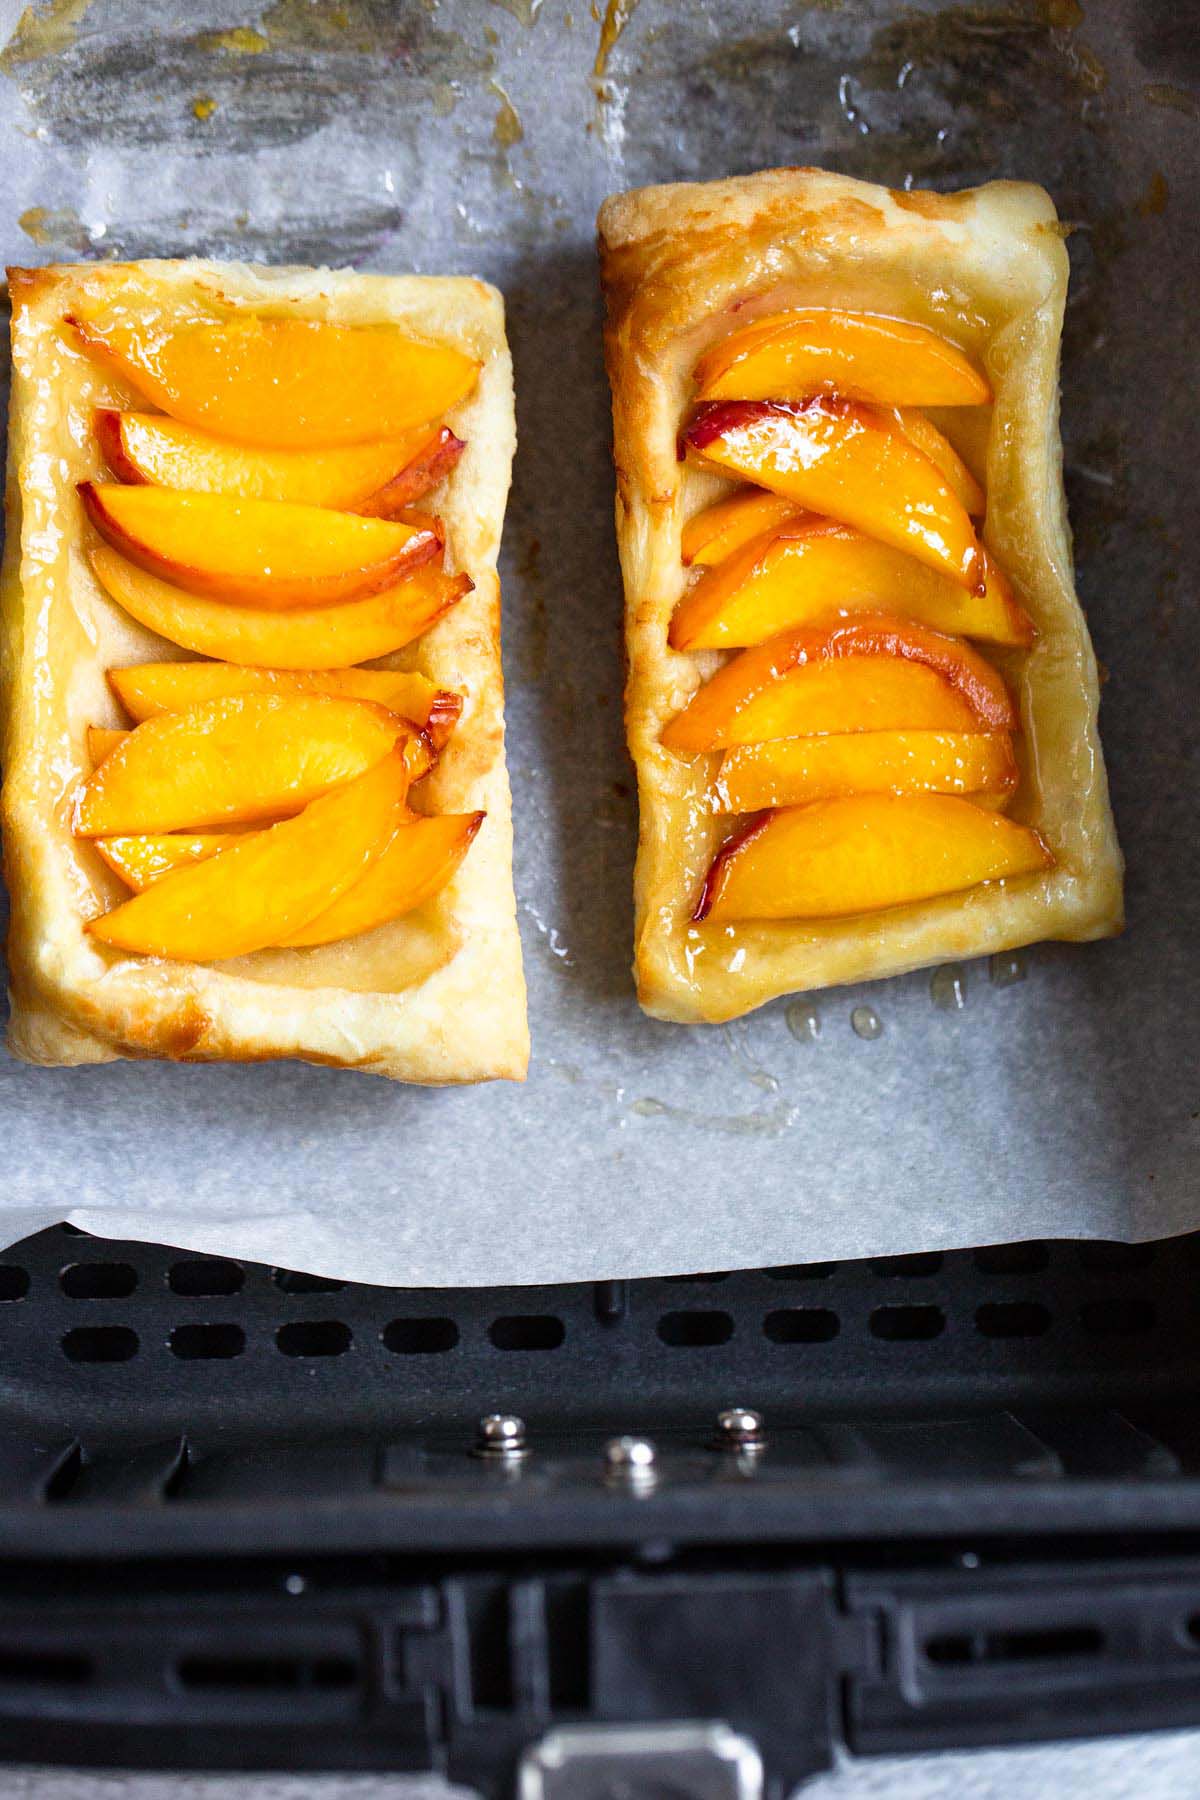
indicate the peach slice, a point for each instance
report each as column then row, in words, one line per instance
column 848, row 461
column 712, row 535
column 245, row 757
column 809, row 571
column 871, row 674
column 824, row 350
column 862, row 854
column 141, row 861
column 418, row 861
column 101, row 742
column 269, row 885
column 793, row 771
column 284, row 383
column 147, row 689
column 937, row 447
column 380, row 478
column 267, row 553
column 315, row 637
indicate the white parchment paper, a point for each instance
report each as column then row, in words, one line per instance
column 1053, row 1094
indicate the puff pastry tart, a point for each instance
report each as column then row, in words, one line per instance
column 862, row 698
column 255, row 799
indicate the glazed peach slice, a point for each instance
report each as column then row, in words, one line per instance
column 810, row 571
column 292, row 384
column 872, row 674
column 102, row 741
column 378, row 478
column 269, row 885
column 312, row 637
column 417, row 863
column 824, row 350
column 147, row 689
column 848, row 461
column 793, row 771
column 712, row 535
column 937, row 447
column 863, row 854
column 263, row 553
column 246, row 757
column 141, row 861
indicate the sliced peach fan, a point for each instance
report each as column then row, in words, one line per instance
column 849, row 461
column 319, row 637
column 875, row 673
column 257, row 552
column 860, row 355
column 864, row 854
column 794, row 771
column 378, row 478
column 283, row 383
column 141, row 861
column 270, row 885
column 245, row 757
column 419, row 860
column 809, row 570
column 716, row 532
column 150, row 688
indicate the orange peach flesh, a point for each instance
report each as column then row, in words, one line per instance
column 418, row 861
column 863, row 854
column 860, row 356
column 794, row 771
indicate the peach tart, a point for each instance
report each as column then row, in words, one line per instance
column 862, row 698
column 255, row 799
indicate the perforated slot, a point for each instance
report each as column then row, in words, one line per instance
column 801, row 1325
column 295, row 1281
column 100, row 1344
column 314, row 1337
column 907, row 1324
column 14, row 1282
column 1012, row 1319
column 695, row 1330
column 43, row 1668
column 1051, row 1644
column 206, row 1277
column 98, row 1280
column 207, row 1343
column 1117, row 1315
column 420, row 1337
column 916, row 1265
column 527, row 1331
column 1011, row 1259
column 266, row 1674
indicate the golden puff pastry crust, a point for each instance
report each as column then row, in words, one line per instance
column 988, row 269
column 438, row 997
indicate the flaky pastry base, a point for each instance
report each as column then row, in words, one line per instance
column 680, row 265
column 460, row 1015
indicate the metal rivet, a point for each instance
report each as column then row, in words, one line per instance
column 740, row 1428
column 632, row 1459
column 501, row 1435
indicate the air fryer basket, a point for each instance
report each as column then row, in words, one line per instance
column 248, row 1517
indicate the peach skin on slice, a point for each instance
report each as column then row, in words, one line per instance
column 810, row 571
column 147, row 689
column 871, row 674
column 849, row 461
column 246, row 757
column 313, row 637
column 268, row 553
column 823, row 350
column 862, row 854
column 712, row 535
column 378, row 478
column 419, row 860
column 269, row 885
column 290, row 384
column 793, row 771
column 141, row 861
